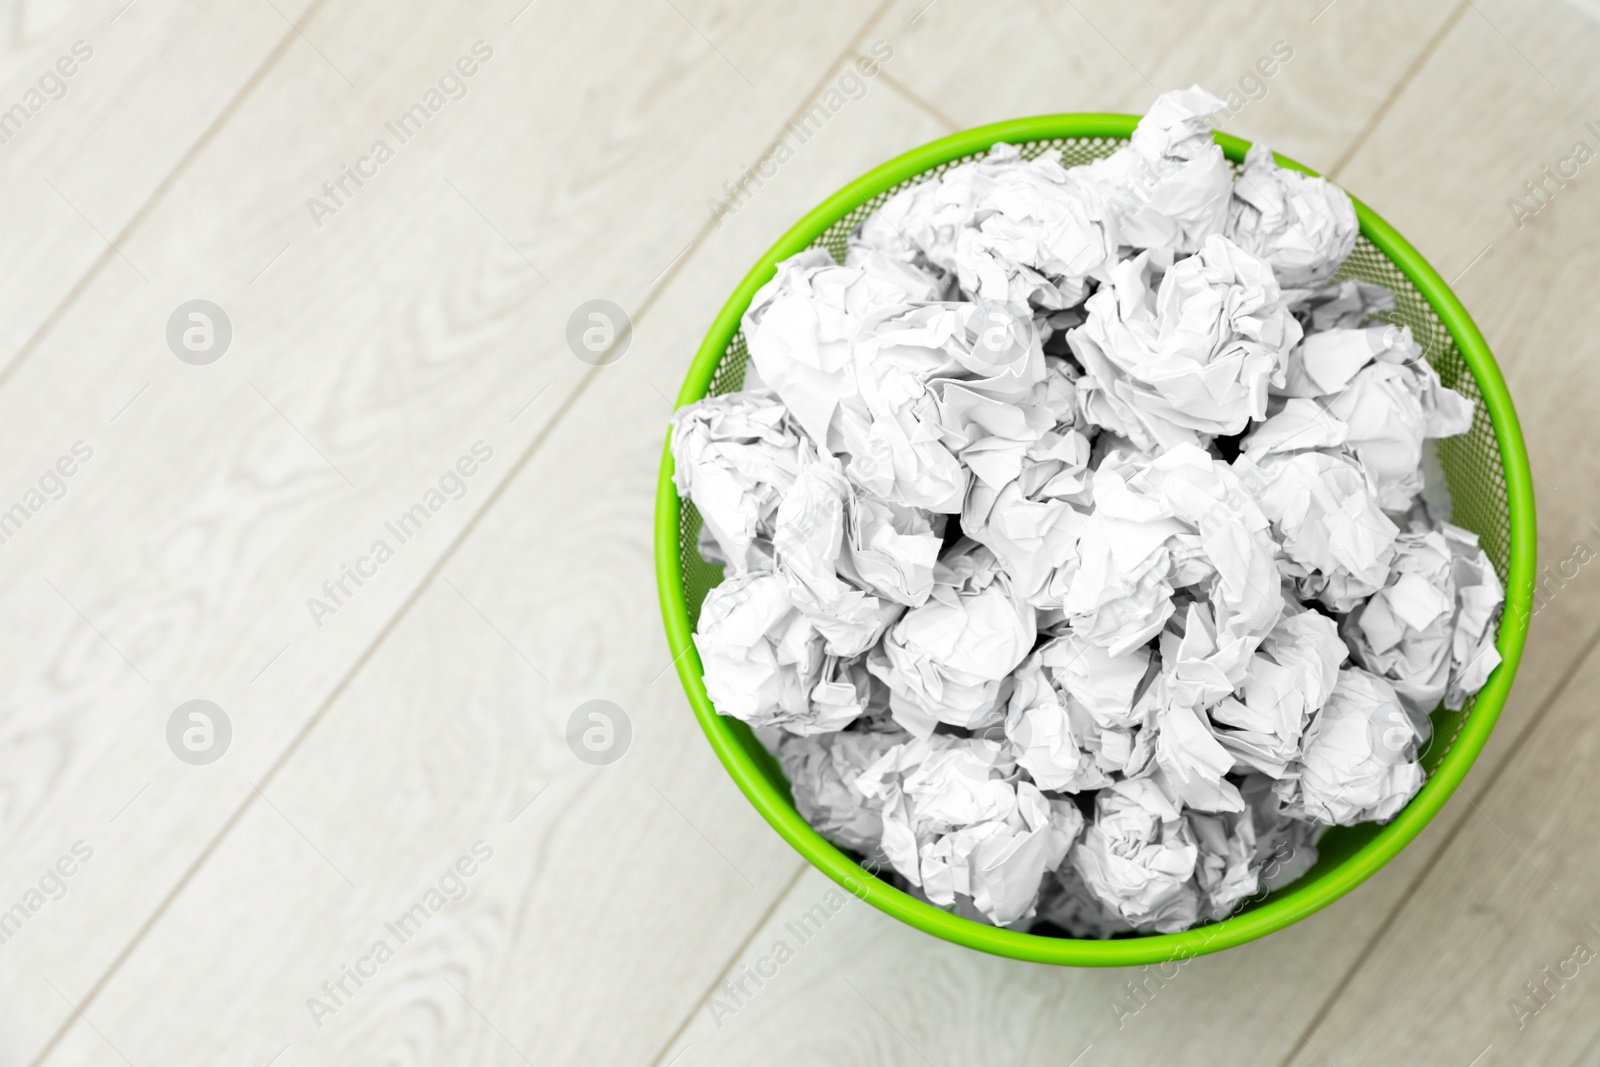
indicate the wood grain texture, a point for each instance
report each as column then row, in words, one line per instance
column 408, row 327
column 617, row 896
column 158, row 79
column 1103, row 56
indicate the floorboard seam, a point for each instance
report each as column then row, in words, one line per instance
column 733, row 958
column 920, row 104
column 1400, row 87
column 433, row 572
column 271, row 60
column 156, row 195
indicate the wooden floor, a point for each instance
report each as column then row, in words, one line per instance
column 405, row 743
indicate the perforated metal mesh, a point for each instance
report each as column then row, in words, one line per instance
column 1472, row 461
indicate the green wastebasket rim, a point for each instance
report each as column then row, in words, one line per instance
column 1296, row 901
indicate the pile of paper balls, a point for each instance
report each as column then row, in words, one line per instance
column 1079, row 563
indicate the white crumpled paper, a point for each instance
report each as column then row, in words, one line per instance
column 1120, row 593
column 1108, row 687
column 761, row 656
column 945, row 661
column 1324, row 363
column 1192, row 355
column 1421, row 631
column 891, row 549
column 1180, row 520
column 1083, row 487
column 999, row 426
column 1342, row 304
column 953, row 823
column 846, row 691
column 1388, row 398
column 1285, row 847
column 1479, row 599
column 1336, row 541
column 1191, row 762
column 801, row 327
column 1067, row 902
column 1079, row 715
column 1138, row 855
column 735, row 457
column 1226, row 868
column 1028, row 505
column 1008, row 230
column 1303, row 226
column 822, row 770
column 1358, row 762
column 1040, row 731
column 1389, row 409
column 1036, row 239
column 918, row 378
column 1168, row 187
column 1403, row 632
column 808, row 546
column 1289, row 679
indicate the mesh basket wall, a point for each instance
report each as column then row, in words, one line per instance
column 1472, row 461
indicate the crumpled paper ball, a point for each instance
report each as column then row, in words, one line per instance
column 1286, row 847
column 1169, row 187
column 1138, row 856
column 1041, row 733
column 1344, row 303
column 1335, row 540
column 735, row 456
column 822, row 770
column 1179, row 520
column 1403, row 631
column 1193, row 355
column 1358, row 762
column 954, row 823
column 1078, row 715
column 891, row 549
column 800, row 328
column 1422, row 632
column 1226, row 869
column 944, row 662
column 1480, row 598
column 1066, row 902
column 1289, row 679
column 1390, row 409
column 761, row 656
column 1029, row 506
column 1323, row 363
column 1008, row 230
column 1191, row 763
column 808, row 552
column 1304, row 227
column 915, row 377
